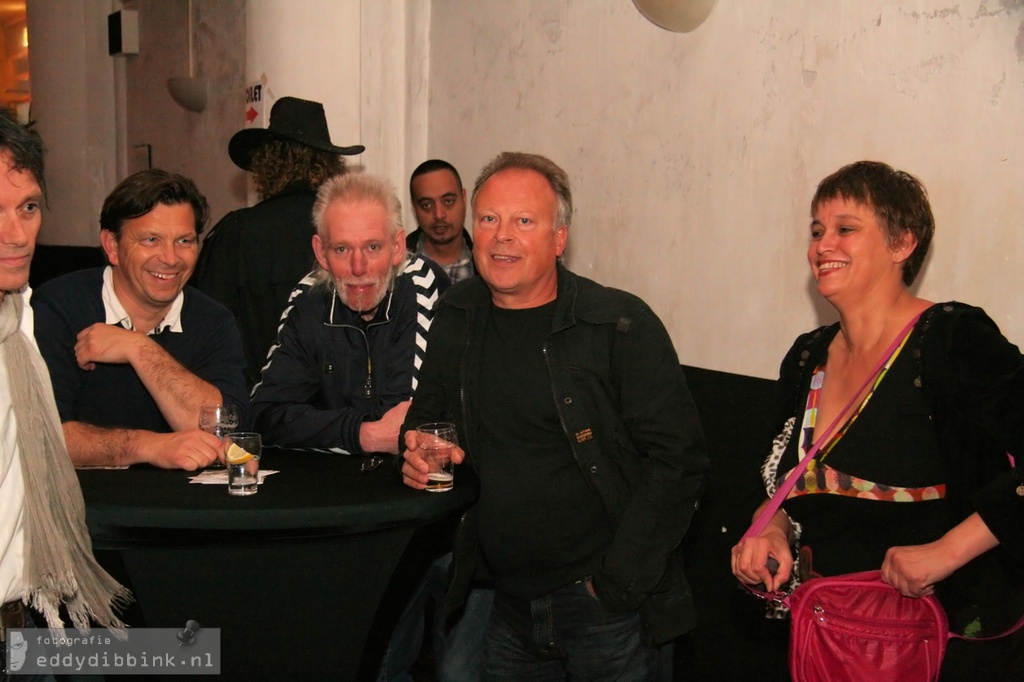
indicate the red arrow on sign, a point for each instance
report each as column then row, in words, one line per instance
column 250, row 115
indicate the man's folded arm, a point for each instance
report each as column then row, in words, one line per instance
column 177, row 392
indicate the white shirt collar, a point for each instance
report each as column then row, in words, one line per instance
column 116, row 314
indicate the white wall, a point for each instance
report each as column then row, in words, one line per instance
column 192, row 143
column 395, row 85
column 365, row 60
column 308, row 49
column 73, row 106
column 694, row 156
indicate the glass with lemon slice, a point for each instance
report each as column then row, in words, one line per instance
column 243, row 461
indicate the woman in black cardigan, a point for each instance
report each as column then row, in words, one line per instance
column 916, row 480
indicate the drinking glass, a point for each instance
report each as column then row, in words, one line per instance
column 243, row 461
column 436, row 441
column 220, row 420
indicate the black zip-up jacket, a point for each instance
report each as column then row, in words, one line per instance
column 627, row 415
column 329, row 371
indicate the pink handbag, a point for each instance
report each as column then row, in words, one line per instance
column 856, row 627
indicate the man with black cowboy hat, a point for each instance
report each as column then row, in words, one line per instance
column 253, row 257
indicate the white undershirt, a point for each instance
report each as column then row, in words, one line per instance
column 12, row 485
column 116, row 314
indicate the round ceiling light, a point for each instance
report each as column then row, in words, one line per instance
column 680, row 16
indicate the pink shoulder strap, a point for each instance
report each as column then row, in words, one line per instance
column 783, row 490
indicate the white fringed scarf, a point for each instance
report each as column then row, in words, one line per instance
column 59, row 565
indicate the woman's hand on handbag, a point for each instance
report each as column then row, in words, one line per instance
column 914, row 570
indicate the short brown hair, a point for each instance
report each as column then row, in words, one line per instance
column 899, row 200
column 139, row 193
column 556, row 177
column 23, row 145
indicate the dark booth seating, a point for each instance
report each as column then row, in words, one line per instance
column 53, row 261
column 732, row 640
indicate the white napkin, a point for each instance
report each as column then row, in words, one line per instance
column 220, row 476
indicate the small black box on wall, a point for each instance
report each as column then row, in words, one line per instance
column 123, row 32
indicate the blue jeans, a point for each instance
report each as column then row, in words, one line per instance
column 458, row 651
column 566, row 635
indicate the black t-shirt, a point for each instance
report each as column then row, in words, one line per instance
column 541, row 524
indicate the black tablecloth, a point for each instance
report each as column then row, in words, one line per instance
column 297, row 576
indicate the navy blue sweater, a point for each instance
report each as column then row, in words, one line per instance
column 112, row 395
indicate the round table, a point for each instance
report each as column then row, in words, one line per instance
column 304, row 579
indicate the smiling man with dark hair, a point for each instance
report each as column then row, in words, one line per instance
column 133, row 353
column 439, row 202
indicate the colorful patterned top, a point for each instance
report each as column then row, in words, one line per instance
column 820, row 478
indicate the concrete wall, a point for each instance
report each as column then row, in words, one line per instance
column 308, row 49
column 182, row 141
column 694, row 156
column 94, row 109
column 73, row 107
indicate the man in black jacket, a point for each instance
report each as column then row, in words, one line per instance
column 573, row 410
column 343, row 368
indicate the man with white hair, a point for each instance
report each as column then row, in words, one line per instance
column 343, row 369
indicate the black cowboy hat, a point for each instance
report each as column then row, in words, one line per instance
column 292, row 119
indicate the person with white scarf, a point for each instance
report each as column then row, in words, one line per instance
column 46, row 555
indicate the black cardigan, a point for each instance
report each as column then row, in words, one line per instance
column 973, row 380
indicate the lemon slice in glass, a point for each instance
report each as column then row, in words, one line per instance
column 238, row 454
